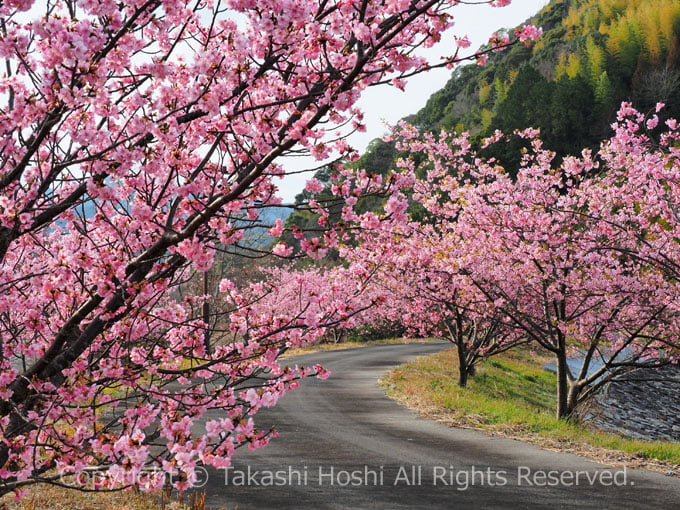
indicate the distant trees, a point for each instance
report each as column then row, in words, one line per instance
column 527, row 102
column 571, row 111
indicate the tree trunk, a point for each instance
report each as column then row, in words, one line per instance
column 562, row 385
column 572, row 398
column 463, row 369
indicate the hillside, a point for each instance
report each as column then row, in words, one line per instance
column 593, row 55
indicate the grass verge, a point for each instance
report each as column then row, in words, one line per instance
column 513, row 396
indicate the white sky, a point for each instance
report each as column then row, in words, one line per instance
column 384, row 104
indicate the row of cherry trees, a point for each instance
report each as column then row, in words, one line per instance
column 142, row 139
column 577, row 255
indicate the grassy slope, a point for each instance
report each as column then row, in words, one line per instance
column 512, row 395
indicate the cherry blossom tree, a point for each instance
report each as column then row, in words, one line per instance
column 565, row 294
column 425, row 289
column 137, row 138
column 531, row 247
column 316, row 298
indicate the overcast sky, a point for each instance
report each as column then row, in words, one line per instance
column 384, row 104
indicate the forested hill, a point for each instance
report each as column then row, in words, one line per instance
column 593, row 55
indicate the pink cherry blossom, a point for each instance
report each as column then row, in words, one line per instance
column 462, row 42
column 528, row 33
column 282, row 250
column 314, row 186
column 277, row 229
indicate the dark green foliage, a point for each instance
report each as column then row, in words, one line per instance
column 376, row 331
column 379, row 157
column 571, row 110
column 528, row 103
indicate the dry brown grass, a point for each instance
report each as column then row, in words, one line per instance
column 297, row 351
column 50, row 497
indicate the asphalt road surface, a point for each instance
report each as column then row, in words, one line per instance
column 344, row 444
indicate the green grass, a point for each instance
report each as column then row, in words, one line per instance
column 512, row 394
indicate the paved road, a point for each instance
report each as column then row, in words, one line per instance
column 344, row 445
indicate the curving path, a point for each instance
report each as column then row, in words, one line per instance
column 344, row 444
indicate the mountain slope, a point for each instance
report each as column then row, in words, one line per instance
column 593, row 55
